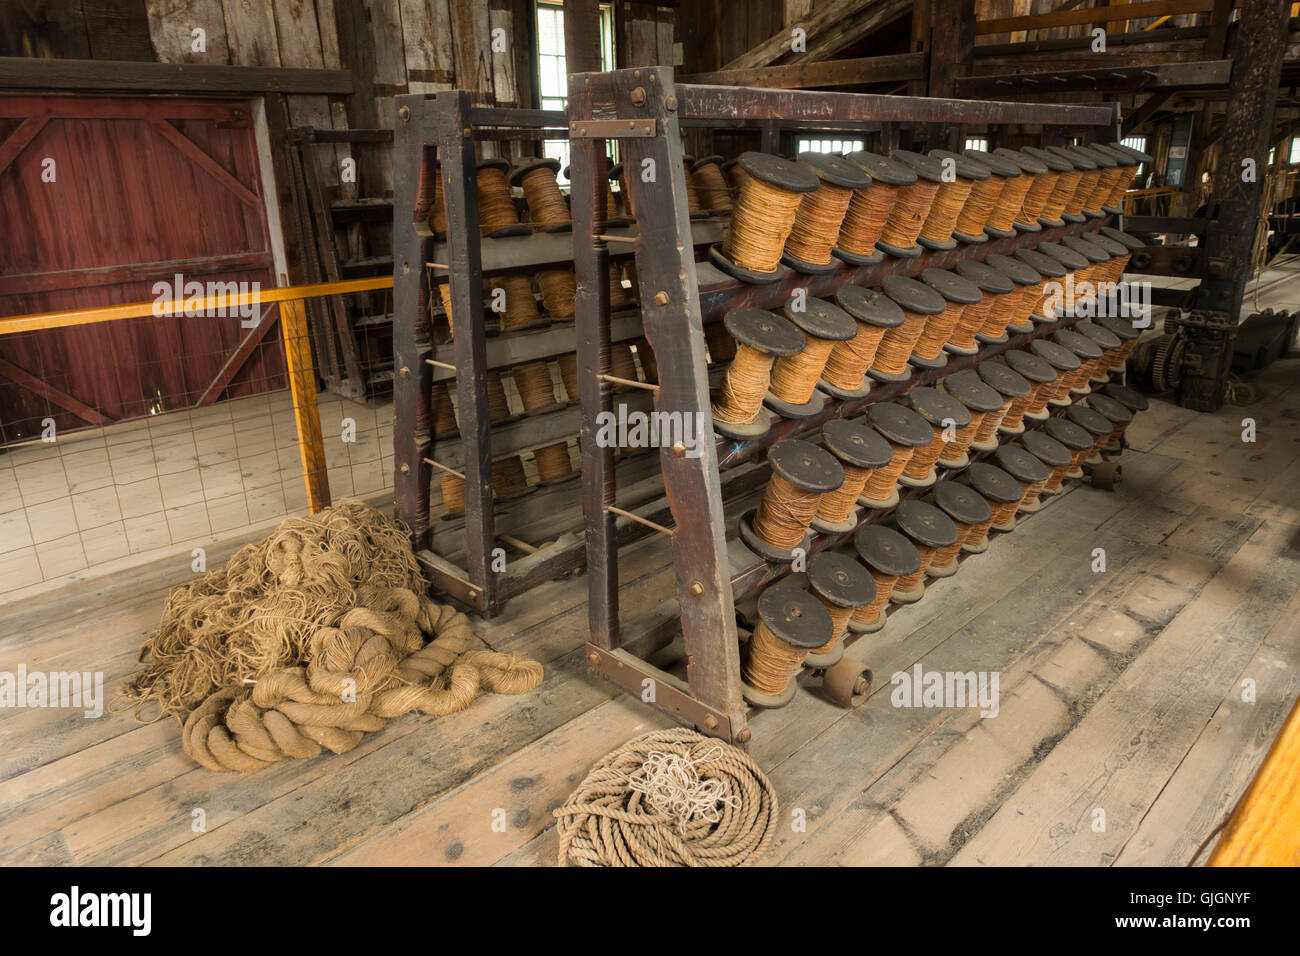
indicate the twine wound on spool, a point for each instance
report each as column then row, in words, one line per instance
column 784, row 514
column 760, row 224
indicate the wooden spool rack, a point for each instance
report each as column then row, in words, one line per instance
column 644, row 109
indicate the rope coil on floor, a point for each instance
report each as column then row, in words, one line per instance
column 669, row 798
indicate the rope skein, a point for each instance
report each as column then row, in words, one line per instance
column 669, row 798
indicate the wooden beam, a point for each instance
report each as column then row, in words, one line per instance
column 1148, row 109
column 1264, row 829
column 306, row 413
column 237, row 358
column 776, row 46
column 1091, row 15
column 19, row 139
column 806, row 76
column 27, row 283
column 861, row 25
column 51, row 394
column 205, row 162
column 110, row 75
column 1211, row 74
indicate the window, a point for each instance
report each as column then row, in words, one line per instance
column 978, row 142
column 1271, row 154
column 552, row 75
column 839, row 146
column 1140, row 144
column 1293, row 154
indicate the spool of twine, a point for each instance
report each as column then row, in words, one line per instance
column 711, row 187
column 1032, row 491
column 937, row 330
column 1031, row 298
column 947, row 207
column 612, row 210
column 865, row 219
column 1043, row 392
column 839, row 624
column 1105, row 187
column 533, row 381
column 837, row 505
column 1040, row 192
column 496, row 209
column 897, row 343
column 1009, row 204
column 817, row 223
column 770, row 662
column 634, row 289
column 908, row 582
column 626, row 194
column 964, row 437
column 911, row 209
column 553, row 463
column 621, row 363
column 508, row 477
column 880, row 483
column 618, row 297
column 988, row 425
column 692, row 194
column 850, row 359
column 1055, row 479
column 453, row 493
column 498, row 406
column 985, row 196
column 430, row 204
column 1116, row 198
column 1088, row 180
column 722, row 347
column 736, row 177
column 979, row 533
column 546, row 205
column 569, row 374
column 924, row 458
column 784, row 514
column 444, row 415
column 974, row 318
column 740, row 398
column 559, row 292
column 944, row 557
column 645, row 355
column 1066, row 183
column 794, row 377
column 760, row 224
column 521, row 307
column 869, row 613
column 444, row 293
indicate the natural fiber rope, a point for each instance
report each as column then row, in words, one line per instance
column 817, row 223
column 794, row 377
column 669, row 798
column 985, row 196
column 508, row 477
column 760, row 224
column 619, row 299
column 909, row 214
column 521, row 306
column 308, row 639
column 444, row 292
column 569, row 374
column 559, row 292
column 837, row 505
column 924, row 457
column 973, row 319
column 1036, row 199
column 865, row 219
column 988, row 426
column 944, row 557
column 964, row 438
column 444, row 414
column 453, row 493
column 896, row 346
column 839, row 624
column 880, row 484
column 978, row 533
column 1009, row 204
column 870, row 612
column 621, row 363
column 740, row 397
column 534, row 384
column 937, row 330
column 496, row 209
column 909, row 581
column 1083, row 192
column 770, row 663
column 850, row 359
column 546, row 205
column 785, row 512
column 714, row 193
column 692, row 194
column 553, row 462
column 497, row 404
column 947, row 207
column 1062, row 192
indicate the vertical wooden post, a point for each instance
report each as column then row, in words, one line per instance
column 306, row 414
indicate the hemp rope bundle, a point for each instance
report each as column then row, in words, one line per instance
column 308, row 639
column 669, row 798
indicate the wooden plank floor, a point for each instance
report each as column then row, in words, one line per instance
column 1135, row 702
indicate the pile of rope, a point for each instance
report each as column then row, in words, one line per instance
column 307, row 640
column 669, row 798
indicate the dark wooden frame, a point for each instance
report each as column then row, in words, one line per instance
column 679, row 296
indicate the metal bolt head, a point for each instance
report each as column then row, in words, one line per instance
column 697, row 588
column 405, row 113
column 405, row 469
column 593, row 658
column 404, row 372
column 670, row 104
column 638, row 96
column 661, row 298
column 744, row 735
column 711, row 722
column 679, row 450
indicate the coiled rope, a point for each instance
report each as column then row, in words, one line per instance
column 669, row 798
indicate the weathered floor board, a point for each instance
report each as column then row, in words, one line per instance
column 1120, row 689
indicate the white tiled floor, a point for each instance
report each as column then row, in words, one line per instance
column 106, row 495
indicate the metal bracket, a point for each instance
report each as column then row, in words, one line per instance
column 613, row 129
column 671, row 693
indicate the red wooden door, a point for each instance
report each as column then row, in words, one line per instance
column 101, row 198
